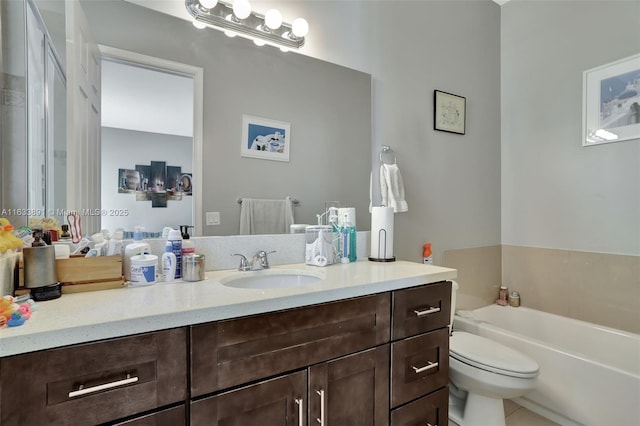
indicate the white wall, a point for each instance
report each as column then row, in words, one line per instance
column 123, row 149
column 556, row 193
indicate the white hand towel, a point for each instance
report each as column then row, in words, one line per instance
column 260, row 216
column 392, row 188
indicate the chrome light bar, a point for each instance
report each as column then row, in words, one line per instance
column 253, row 27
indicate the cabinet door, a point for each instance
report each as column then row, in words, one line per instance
column 430, row 410
column 276, row 402
column 353, row 390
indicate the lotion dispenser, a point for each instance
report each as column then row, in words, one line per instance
column 168, row 262
column 137, row 247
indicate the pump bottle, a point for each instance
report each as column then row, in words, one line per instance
column 137, row 247
column 168, row 262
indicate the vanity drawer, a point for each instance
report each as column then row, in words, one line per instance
column 420, row 309
column 429, row 410
column 95, row 382
column 233, row 352
column 419, row 365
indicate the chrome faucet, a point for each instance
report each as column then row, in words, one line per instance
column 244, row 263
column 260, row 260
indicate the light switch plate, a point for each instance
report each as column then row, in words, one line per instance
column 213, row 218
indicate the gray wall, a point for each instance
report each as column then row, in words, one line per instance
column 328, row 107
column 410, row 48
column 556, row 193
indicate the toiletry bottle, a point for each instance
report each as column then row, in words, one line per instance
column 427, row 256
column 37, row 238
column 175, row 237
column 136, row 248
column 65, row 235
column 168, row 262
column 100, row 244
column 349, row 237
column 503, row 295
column 344, row 244
column 514, row 299
column 188, row 246
column 353, row 237
column 114, row 246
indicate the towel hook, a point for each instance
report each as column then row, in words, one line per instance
column 386, row 150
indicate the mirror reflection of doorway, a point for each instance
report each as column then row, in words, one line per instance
column 147, row 131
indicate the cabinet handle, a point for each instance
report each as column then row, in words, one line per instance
column 429, row 366
column 430, row 310
column 300, row 411
column 429, row 424
column 83, row 391
column 321, row 419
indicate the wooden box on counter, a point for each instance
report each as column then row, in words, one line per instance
column 79, row 273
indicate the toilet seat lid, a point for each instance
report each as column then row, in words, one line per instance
column 491, row 356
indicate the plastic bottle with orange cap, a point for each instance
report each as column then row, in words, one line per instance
column 427, row 256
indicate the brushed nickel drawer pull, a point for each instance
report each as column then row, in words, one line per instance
column 430, row 310
column 429, row 424
column 429, row 366
column 83, row 391
column 321, row 419
column 300, row 411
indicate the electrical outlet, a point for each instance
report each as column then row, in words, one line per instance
column 213, row 218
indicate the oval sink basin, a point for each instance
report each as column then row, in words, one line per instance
column 267, row 279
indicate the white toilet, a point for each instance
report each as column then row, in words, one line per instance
column 482, row 373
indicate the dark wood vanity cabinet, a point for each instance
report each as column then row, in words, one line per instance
column 340, row 348
column 371, row 361
column 367, row 361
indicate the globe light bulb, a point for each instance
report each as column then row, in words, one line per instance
column 199, row 25
column 258, row 42
column 241, row 8
column 273, row 19
column 229, row 33
column 300, row 27
column 208, row 4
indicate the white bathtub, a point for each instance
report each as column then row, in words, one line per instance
column 589, row 374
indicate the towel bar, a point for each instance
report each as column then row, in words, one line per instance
column 293, row 200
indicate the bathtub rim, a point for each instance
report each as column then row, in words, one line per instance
column 525, row 338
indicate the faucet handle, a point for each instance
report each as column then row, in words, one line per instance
column 264, row 260
column 244, row 263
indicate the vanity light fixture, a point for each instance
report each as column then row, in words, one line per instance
column 237, row 18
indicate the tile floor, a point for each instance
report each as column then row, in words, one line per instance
column 515, row 415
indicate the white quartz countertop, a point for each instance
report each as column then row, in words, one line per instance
column 85, row 317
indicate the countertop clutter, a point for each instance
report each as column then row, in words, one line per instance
column 90, row 316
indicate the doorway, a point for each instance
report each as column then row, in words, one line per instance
column 151, row 143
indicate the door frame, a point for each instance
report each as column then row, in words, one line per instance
column 197, row 74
